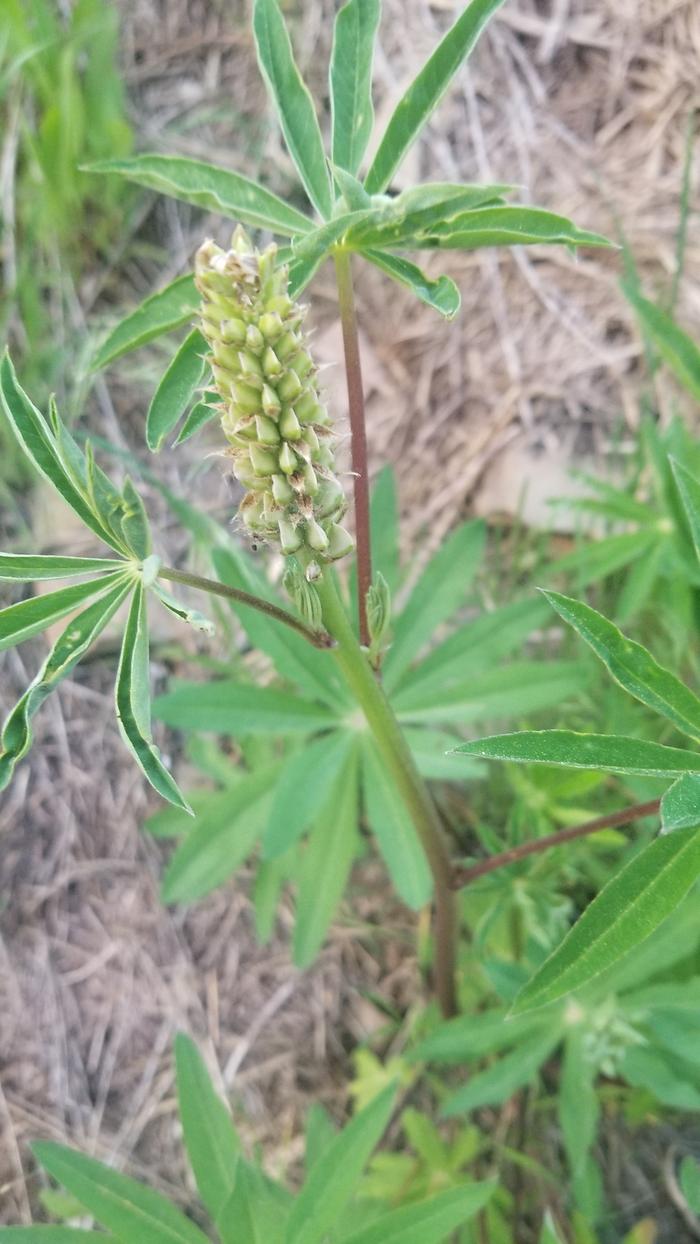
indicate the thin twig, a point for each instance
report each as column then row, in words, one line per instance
column 319, row 639
column 356, row 410
column 465, row 875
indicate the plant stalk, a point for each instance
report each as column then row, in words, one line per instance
column 356, row 409
column 465, row 875
column 319, row 639
column 395, row 754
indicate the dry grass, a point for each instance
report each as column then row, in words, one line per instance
column 583, row 102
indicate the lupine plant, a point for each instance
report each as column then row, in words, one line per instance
column 365, row 689
column 248, row 363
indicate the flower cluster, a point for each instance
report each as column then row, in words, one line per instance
column 272, row 414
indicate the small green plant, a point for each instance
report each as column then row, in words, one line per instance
column 242, row 1203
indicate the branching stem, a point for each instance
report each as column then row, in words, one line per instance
column 465, row 875
column 319, row 639
column 356, row 408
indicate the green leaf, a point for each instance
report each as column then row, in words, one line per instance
column 311, row 250
column 632, row 667
column 426, row 91
column 294, row 103
column 439, row 592
column 30, row 567
column 505, row 1076
column 197, row 417
column 352, row 113
column 326, row 863
column 228, row 707
column 222, row 836
column 595, row 560
column 680, row 806
column 302, row 789
column 256, row 1211
column 607, row 753
column 319, row 1132
column 39, row 444
column 295, row 659
column 549, row 1233
column 132, row 695
column 28, row 617
column 192, row 617
column 508, row 226
column 212, row 188
column 690, row 1182
column 432, row 751
column 426, row 1222
column 176, row 389
column 579, row 1108
column 384, row 520
column 210, row 1138
column 411, row 216
column 476, row 646
column 134, row 523
column 51, row 1235
column 689, row 490
column 394, row 831
column 124, row 1206
column 511, row 691
column 172, row 306
column 78, row 636
column 670, row 1080
column 675, row 347
column 333, row 1180
column 471, row 1036
column 441, row 294
column 625, row 912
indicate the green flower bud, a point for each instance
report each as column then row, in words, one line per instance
column 305, row 597
column 270, row 405
column 340, row 542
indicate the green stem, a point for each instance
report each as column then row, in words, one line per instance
column 358, row 435
column 396, row 756
column 319, row 639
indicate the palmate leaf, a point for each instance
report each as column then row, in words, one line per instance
column 352, row 113
column 213, row 188
column 171, row 307
column 333, row 1179
column 328, row 856
column 632, row 667
column 427, row 1222
column 426, row 91
column 132, row 697
column 607, row 753
column 176, row 389
column 75, row 641
column 210, row 1138
column 441, row 293
column 295, row 106
column 130, row 1210
column 625, row 912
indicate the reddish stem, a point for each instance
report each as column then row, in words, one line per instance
column 465, row 875
column 356, row 408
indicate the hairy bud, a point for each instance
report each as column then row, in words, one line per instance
column 272, row 412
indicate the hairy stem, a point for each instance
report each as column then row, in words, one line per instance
column 319, row 639
column 356, row 407
column 464, row 876
column 395, row 755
